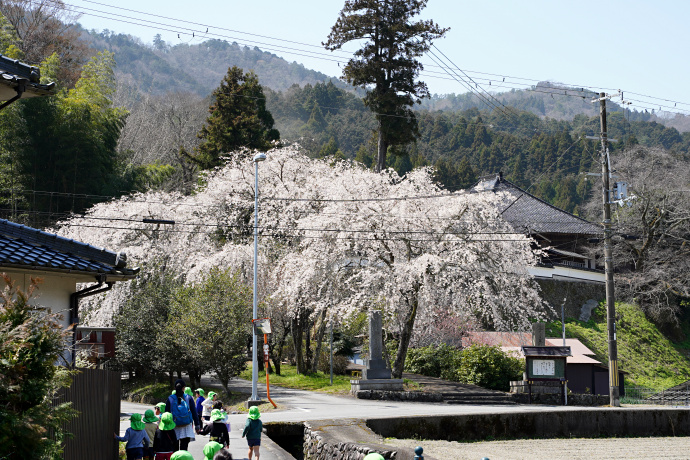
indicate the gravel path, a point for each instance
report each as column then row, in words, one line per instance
column 555, row 449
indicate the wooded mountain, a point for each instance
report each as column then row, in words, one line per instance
column 195, row 67
column 198, row 67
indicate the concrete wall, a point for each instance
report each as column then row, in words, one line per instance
column 602, row 422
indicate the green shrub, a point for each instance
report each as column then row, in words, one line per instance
column 339, row 363
column 434, row 361
column 489, row 367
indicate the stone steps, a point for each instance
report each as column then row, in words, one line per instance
column 478, row 398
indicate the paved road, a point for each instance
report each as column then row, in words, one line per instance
column 299, row 405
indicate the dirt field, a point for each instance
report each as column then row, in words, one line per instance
column 555, row 449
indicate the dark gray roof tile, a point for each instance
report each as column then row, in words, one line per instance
column 25, row 246
column 528, row 213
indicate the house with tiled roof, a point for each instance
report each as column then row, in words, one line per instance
column 586, row 374
column 62, row 264
column 20, row 81
column 566, row 272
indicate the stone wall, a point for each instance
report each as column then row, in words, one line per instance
column 557, row 399
column 346, row 439
column 552, row 423
column 419, row 396
column 580, row 297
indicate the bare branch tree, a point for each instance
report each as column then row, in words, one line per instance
column 45, row 27
column 158, row 128
column 652, row 247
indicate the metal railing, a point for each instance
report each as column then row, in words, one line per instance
column 675, row 396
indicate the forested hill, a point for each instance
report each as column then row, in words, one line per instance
column 196, row 67
column 549, row 156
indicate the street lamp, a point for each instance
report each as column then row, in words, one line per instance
column 255, row 366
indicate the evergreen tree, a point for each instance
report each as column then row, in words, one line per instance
column 31, row 343
column 239, row 118
column 386, row 65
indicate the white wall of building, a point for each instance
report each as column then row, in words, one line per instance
column 53, row 292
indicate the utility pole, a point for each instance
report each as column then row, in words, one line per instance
column 614, row 389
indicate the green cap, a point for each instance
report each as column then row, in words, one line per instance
column 216, row 414
column 181, row 455
column 188, row 391
column 136, row 423
column 161, row 407
column 150, row 417
column 211, row 394
column 373, row 456
column 167, row 422
column 211, row 449
column 201, row 392
column 254, row 413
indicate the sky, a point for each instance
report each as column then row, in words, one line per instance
column 604, row 45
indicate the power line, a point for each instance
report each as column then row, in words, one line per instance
column 311, row 53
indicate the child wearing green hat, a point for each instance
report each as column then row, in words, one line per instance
column 210, row 450
column 217, row 429
column 200, row 398
column 207, row 404
column 165, row 439
column 181, row 455
column 159, row 409
column 252, row 430
column 135, row 437
column 150, row 425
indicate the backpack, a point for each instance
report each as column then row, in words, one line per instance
column 180, row 411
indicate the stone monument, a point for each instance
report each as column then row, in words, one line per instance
column 376, row 375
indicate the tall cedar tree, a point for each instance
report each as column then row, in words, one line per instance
column 238, row 119
column 386, row 65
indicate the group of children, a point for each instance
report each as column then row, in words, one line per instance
column 154, row 437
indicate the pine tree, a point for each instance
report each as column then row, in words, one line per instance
column 386, row 65
column 238, row 118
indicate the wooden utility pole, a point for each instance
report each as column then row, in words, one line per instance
column 614, row 389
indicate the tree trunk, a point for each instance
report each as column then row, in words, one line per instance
column 382, row 150
column 276, row 350
column 319, row 342
column 307, row 347
column 406, row 333
column 297, row 343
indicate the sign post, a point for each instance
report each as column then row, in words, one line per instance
column 263, row 326
column 546, row 364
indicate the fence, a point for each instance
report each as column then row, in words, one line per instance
column 675, row 396
column 95, row 393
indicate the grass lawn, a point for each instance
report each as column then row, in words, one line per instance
column 650, row 359
column 289, row 378
column 151, row 393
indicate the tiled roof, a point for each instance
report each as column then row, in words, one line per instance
column 507, row 339
column 532, row 215
column 512, row 342
column 17, row 75
column 29, row 248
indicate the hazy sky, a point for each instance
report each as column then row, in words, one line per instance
column 637, row 46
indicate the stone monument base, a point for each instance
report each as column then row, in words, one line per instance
column 376, row 384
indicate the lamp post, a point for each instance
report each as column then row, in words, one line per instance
column 255, row 366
